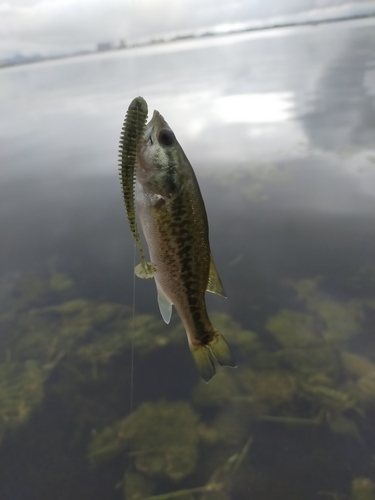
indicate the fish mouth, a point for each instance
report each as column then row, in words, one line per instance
column 150, row 125
column 157, row 122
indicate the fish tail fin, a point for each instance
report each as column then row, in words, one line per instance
column 220, row 349
column 203, row 355
column 203, row 359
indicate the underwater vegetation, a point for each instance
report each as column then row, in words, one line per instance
column 295, row 420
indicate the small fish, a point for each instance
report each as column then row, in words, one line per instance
column 174, row 221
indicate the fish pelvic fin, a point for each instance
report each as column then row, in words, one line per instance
column 165, row 305
column 204, row 354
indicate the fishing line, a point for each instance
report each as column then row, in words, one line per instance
column 133, row 335
column 135, row 45
column 131, row 402
column 132, row 360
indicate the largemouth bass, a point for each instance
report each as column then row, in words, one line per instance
column 174, row 222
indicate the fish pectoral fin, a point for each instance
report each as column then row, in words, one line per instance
column 214, row 282
column 165, row 305
column 145, row 271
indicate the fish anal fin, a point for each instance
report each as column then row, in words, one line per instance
column 214, row 284
column 220, row 350
column 203, row 359
column 165, row 305
column 145, row 271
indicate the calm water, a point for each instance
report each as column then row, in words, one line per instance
column 280, row 129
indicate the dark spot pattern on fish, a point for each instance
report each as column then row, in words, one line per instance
column 170, row 176
column 191, row 273
column 175, row 224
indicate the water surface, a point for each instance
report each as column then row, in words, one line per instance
column 279, row 127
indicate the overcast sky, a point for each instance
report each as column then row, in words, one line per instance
column 63, row 26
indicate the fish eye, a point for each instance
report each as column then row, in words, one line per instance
column 166, row 137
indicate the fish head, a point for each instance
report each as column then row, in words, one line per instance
column 159, row 158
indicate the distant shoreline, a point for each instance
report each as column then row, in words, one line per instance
column 180, row 38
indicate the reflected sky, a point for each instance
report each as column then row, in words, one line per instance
column 279, row 127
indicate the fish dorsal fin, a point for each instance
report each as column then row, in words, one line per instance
column 214, row 282
column 165, row 305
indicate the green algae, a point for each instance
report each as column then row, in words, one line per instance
column 362, row 488
column 339, row 320
column 308, row 377
column 21, row 390
column 136, row 486
column 246, row 340
column 59, row 282
column 292, row 329
column 164, row 439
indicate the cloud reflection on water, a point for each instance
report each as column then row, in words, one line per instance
column 254, row 108
column 273, row 124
